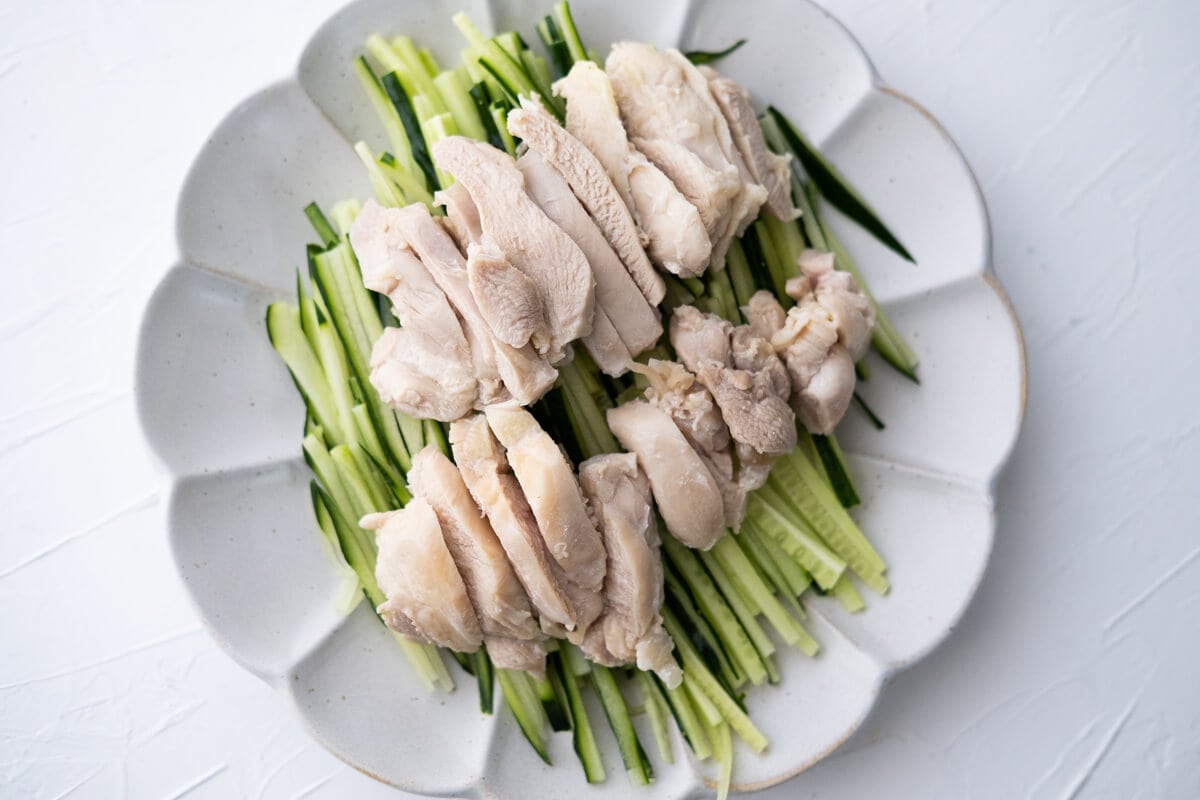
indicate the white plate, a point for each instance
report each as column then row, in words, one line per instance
column 219, row 409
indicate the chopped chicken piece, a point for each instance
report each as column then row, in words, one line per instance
column 491, row 482
column 462, row 217
column 636, row 323
column 496, row 594
column 502, row 370
column 840, row 295
column 426, row 598
column 416, row 373
column 605, row 346
column 588, row 180
column 744, row 375
column 821, row 369
column 675, row 236
column 765, row 314
column 698, row 337
column 768, row 169
column 507, row 298
column 528, row 238
column 686, row 492
column 618, row 494
column 554, row 496
column 672, row 118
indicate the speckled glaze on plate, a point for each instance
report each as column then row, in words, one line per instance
column 219, row 410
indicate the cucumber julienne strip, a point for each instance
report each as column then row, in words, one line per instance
column 834, row 462
column 833, row 186
column 583, row 736
column 287, row 337
column 770, row 515
column 637, row 766
column 699, row 57
column 412, row 126
column 526, row 708
column 656, row 709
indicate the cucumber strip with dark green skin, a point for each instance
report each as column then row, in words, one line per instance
column 484, row 676
column 699, row 57
column 834, row 462
column 757, row 260
column 321, row 225
column 560, row 54
column 464, row 661
column 553, row 696
column 392, row 125
column 704, row 638
column 584, row 738
column 872, row 417
column 685, row 717
column 522, row 701
column 483, row 104
column 637, row 766
column 570, row 34
column 750, row 661
column 834, row 187
column 412, row 126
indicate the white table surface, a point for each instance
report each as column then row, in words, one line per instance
column 1074, row 673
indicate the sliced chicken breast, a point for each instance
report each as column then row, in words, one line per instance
column 426, row 597
column 528, row 238
column 636, row 322
column 502, row 370
column 417, row 373
column 687, row 494
column 491, row 482
column 462, row 217
column 674, row 234
column 506, row 297
column 770, row 170
column 496, row 594
column 618, row 494
column 591, row 184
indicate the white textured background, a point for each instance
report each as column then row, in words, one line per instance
column 1073, row 674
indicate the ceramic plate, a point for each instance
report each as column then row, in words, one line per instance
column 220, row 412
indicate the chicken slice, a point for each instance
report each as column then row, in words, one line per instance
column 553, row 494
column 588, row 180
column 426, row 597
column 491, row 482
column 671, row 116
column 507, row 298
column 416, row 373
column 618, row 494
column 675, row 235
column 605, row 346
column 770, row 170
column 462, row 217
column 496, row 594
column 425, row 370
column 687, row 494
column 638, row 325
column 502, row 370
column 530, row 239
column 677, row 392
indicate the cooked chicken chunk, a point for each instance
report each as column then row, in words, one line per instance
column 687, row 494
column 417, row 373
column 768, row 169
column 765, row 314
column 491, row 482
column 618, row 494
column 674, row 233
column 840, row 295
column 605, row 346
column 554, row 496
column 462, row 217
column 588, row 180
column 636, row 323
column 528, row 238
column 671, row 116
column 502, row 370
column 496, row 594
column 746, row 380
column 426, row 597
column 507, row 298
column 821, row 369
